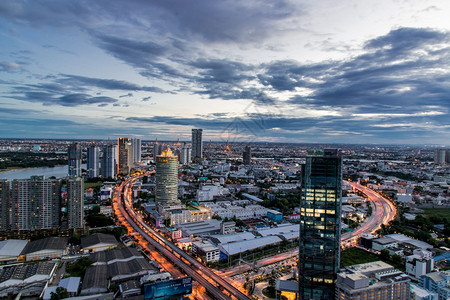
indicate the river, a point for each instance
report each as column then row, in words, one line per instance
column 58, row 172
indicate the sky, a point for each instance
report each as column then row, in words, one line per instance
column 375, row 72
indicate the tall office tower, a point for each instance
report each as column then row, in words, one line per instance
column 320, row 204
column 136, row 145
column 36, row 203
column 75, row 202
column 197, row 145
column 5, row 205
column 166, row 179
column 185, row 154
column 109, row 161
column 74, row 154
column 440, row 156
column 93, row 162
column 157, row 150
column 122, row 167
column 247, row 155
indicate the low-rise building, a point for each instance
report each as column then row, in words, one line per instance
column 206, row 250
column 98, row 242
column 383, row 243
column 438, row 282
column 417, row 265
column 418, row 293
column 50, row 247
column 11, row 249
column 375, row 280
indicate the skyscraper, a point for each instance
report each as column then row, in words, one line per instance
column 247, row 155
column 93, row 162
column 36, row 203
column 74, row 161
column 75, row 202
column 166, row 179
column 197, row 145
column 123, row 167
column 5, row 205
column 136, row 145
column 109, row 161
column 320, row 204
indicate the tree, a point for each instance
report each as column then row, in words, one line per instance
column 384, row 255
column 61, row 293
column 396, row 259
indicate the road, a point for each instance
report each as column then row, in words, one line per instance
column 383, row 212
column 212, row 282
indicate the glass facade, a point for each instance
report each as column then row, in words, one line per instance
column 320, row 226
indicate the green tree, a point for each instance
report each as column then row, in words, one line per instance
column 384, row 255
column 61, row 293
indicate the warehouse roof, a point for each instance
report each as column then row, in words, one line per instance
column 279, row 230
column 11, row 248
column 242, row 246
column 229, row 238
column 54, row 243
column 98, row 238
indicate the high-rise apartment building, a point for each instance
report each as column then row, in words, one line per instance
column 441, row 156
column 185, row 157
column 247, row 155
column 109, row 161
column 320, row 204
column 36, row 203
column 93, row 162
column 123, row 167
column 157, row 150
column 74, row 161
column 166, row 179
column 197, row 145
column 75, row 202
column 5, row 205
column 136, row 145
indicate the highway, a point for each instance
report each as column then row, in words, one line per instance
column 383, row 212
column 212, row 282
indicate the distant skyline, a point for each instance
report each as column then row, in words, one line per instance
column 278, row 71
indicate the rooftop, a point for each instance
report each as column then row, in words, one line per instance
column 11, row 248
column 54, row 243
column 98, row 238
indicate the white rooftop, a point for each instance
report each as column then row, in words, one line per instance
column 404, row 239
column 279, row 230
column 11, row 248
column 242, row 246
column 235, row 237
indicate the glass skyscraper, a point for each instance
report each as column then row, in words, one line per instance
column 320, row 225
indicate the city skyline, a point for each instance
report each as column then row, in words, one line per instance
column 255, row 71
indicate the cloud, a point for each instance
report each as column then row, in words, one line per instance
column 9, row 67
column 108, row 84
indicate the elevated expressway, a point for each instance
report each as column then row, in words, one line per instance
column 383, row 212
column 215, row 285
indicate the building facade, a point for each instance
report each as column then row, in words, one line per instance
column 197, row 145
column 93, row 162
column 123, row 167
column 375, row 280
column 109, row 161
column 136, row 145
column 36, row 204
column 5, row 205
column 186, row 152
column 75, row 202
column 166, row 179
column 247, row 155
column 319, row 251
column 74, row 159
